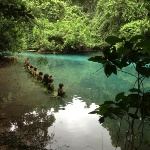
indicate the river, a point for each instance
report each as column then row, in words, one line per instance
column 37, row 119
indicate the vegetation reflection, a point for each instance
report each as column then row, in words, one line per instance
column 22, row 128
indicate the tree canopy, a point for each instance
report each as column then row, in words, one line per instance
column 120, row 29
column 67, row 25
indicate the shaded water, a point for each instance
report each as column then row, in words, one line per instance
column 43, row 121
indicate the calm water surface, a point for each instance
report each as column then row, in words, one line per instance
column 63, row 124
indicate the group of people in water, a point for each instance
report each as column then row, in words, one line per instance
column 46, row 79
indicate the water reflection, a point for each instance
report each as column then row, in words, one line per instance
column 23, row 129
column 31, row 114
column 75, row 129
column 119, row 132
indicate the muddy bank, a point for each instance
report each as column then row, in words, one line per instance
column 7, row 60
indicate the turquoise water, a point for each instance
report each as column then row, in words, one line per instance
column 81, row 77
column 66, row 124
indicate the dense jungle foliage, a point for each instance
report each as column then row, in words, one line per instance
column 86, row 25
column 69, row 25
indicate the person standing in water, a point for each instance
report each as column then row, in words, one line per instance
column 61, row 92
column 50, row 79
column 45, row 79
column 30, row 69
column 50, row 85
column 26, row 62
column 35, row 72
column 40, row 76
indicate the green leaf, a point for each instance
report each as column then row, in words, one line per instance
column 143, row 68
column 113, row 55
column 136, row 38
column 124, row 103
column 93, row 112
column 133, row 116
column 124, row 62
column 134, row 99
column 144, row 44
column 128, row 45
column 135, row 90
column 113, row 40
column 101, row 120
column 106, row 51
column 134, row 96
column 123, row 50
column 117, row 111
column 117, row 63
column 114, row 69
column 119, row 96
column 145, row 50
column 98, row 59
column 109, row 69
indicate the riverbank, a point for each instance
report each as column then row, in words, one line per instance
column 70, row 51
column 7, row 60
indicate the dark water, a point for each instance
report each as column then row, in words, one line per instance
column 41, row 120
